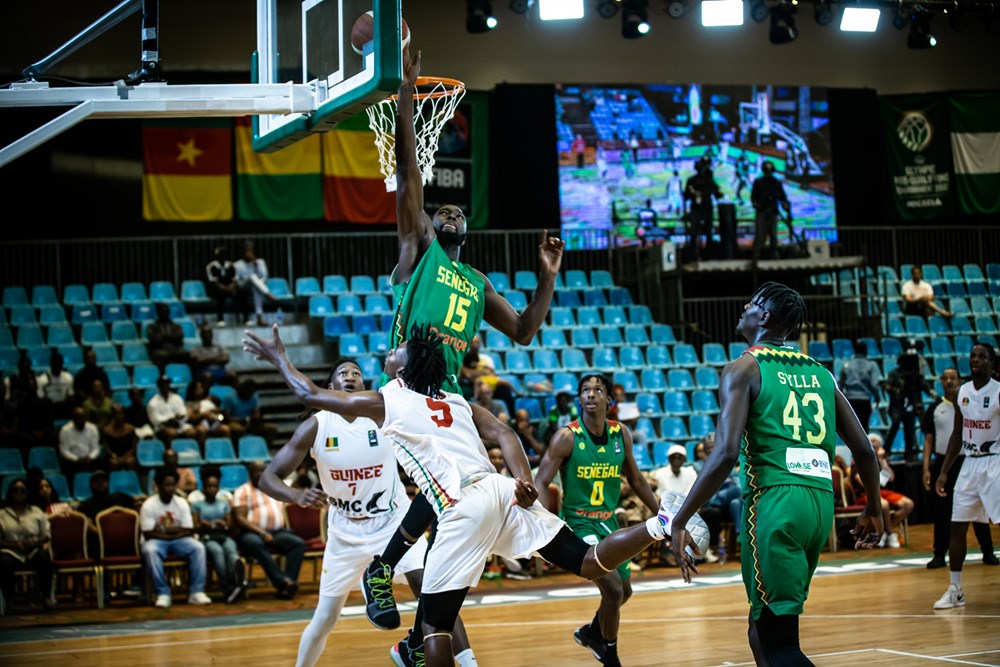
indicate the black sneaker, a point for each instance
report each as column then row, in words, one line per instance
column 936, row 562
column 990, row 559
column 403, row 656
column 380, row 606
column 584, row 638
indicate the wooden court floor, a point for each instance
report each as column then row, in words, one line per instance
column 875, row 612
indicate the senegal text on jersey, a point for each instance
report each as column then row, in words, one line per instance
column 597, row 471
column 458, row 282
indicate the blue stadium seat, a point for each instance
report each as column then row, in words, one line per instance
column 44, row 295
column 594, row 297
column 321, row 305
column 577, row 279
column 649, row 405
column 29, row 336
column 640, row 452
column 60, row 485
column 532, row 405
column 363, row 284
column 6, row 337
column 605, row 359
column 652, row 379
column 985, row 324
column 964, row 367
column 631, row 358
column 820, row 351
column 554, row 338
column 74, row 294
column 118, row 378
column 674, row 428
column 562, row 318
column 714, row 354
column 378, row 342
column 961, row 325
column 163, row 290
column 679, row 379
column 973, row 273
column 21, row 314
column 601, row 279
column 106, row 354
column 574, row 360
column 144, row 376
column 628, row 380
column 956, row 290
column 92, row 333
column 500, row 281
column 133, row 291
column 619, row 296
column 143, row 311
column 232, row 476
column 938, row 326
column 568, row 299
column 952, row 274
column 735, row 349
column 610, row 336
column 518, row 361
column 588, row 316
column 367, row 324
column 45, row 458
column 193, row 292
column 943, row 363
column 685, row 355
column 640, row 315
column 15, row 295
column 188, row 452
column 960, row 306
column 583, row 337
column 179, row 374
column 221, row 391
column 615, row 316
column 516, row 298
column 149, row 453
column 701, row 425
column 377, row 303
column 676, row 403
column 658, row 356
column 124, row 481
column 545, row 361
column 525, row 280
column 307, row 286
column 58, row 335
column 383, row 282
column 113, row 312
column 51, row 314
column 219, row 451
column 704, row 401
column 636, row 335
column 932, row 273
column 352, row 345
column 349, row 304
column 662, row 334
column 335, row 284
column 103, row 293
column 335, row 326
column 124, row 332
column 980, row 305
column 963, row 345
column 645, row 426
column 279, row 289
column 81, row 486
column 941, row 346
column 706, row 378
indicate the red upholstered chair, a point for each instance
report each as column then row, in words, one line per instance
column 69, row 551
column 310, row 525
column 842, row 511
column 118, row 533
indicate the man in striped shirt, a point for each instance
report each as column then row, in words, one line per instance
column 261, row 521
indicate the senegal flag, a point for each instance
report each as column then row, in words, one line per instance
column 187, row 169
column 353, row 186
column 284, row 185
column 974, row 119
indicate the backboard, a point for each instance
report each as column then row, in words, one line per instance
column 309, row 42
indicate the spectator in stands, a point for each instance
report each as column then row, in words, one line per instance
column 251, row 281
column 562, row 413
column 166, row 340
column 83, row 381
column 260, row 519
column 676, row 476
column 168, row 414
column 528, row 434
column 484, row 398
column 187, row 482
column 918, row 296
column 48, row 499
column 97, row 406
column 209, row 359
column 900, row 505
column 242, row 412
column 56, row 386
column 205, row 412
column 213, row 523
column 79, row 444
column 137, row 415
column 220, row 283
column 494, row 451
column 100, row 499
column 21, row 383
column 167, row 530
column 860, row 379
column 120, row 440
column 24, row 532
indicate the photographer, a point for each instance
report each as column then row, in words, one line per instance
column 906, row 385
column 768, row 197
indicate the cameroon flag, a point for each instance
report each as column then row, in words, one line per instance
column 353, row 186
column 187, row 169
column 284, row 185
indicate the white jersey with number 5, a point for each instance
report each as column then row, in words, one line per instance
column 436, row 441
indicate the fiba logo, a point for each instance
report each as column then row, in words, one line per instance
column 915, row 131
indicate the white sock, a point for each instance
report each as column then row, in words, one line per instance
column 466, row 658
column 655, row 528
column 956, row 579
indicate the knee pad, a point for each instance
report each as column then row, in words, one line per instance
column 777, row 632
column 566, row 550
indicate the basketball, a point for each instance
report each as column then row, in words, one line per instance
column 363, row 31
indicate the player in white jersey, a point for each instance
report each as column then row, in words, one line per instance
column 977, row 487
column 479, row 511
column 367, row 500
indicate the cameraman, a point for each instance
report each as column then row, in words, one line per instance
column 768, row 196
column 906, row 385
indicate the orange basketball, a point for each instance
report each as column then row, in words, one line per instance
column 363, row 31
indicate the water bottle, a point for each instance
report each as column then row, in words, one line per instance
column 280, row 317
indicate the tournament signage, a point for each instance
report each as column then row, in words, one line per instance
column 918, row 148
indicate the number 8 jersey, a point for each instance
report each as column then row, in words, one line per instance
column 790, row 436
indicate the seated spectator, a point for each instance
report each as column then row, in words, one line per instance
column 209, row 359
column 496, row 458
column 676, row 476
column 137, row 415
column 21, row 384
column 478, row 364
column 261, row 522
column 895, row 506
column 251, row 281
column 205, row 412
column 242, row 413
column 79, row 444
column 83, row 381
column 918, row 296
column 49, row 500
column 97, row 406
column 528, row 434
column 167, row 530
column 484, row 398
column 168, row 414
column 120, row 440
column 56, row 386
column 165, row 340
column 99, row 501
column 562, row 413
column 187, row 483
column 24, row 534
column 213, row 523
column 220, row 283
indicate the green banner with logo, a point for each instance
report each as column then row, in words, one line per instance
column 918, row 148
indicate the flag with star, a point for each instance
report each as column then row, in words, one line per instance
column 187, row 169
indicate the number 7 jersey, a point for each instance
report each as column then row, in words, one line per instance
column 790, row 435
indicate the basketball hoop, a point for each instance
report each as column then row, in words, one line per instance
column 434, row 104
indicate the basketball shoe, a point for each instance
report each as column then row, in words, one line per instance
column 403, row 656
column 660, row 525
column 380, row 606
column 953, row 597
column 602, row 652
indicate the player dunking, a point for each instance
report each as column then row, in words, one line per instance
column 593, row 454
column 781, row 411
column 438, row 437
column 433, row 288
column 357, row 471
column 977, row 487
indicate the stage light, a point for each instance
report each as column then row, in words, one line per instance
column 520, row 6
column 721, row 13
column 635, row 20
column 676, row 9
column 559, row 10
column 607, row 9
column 783, row 30
column 758, row 11
column 859, row 19
column 920, row 36
column 479, row 16
column 823, row 12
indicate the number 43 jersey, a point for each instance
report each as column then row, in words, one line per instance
column 436, row 442
column 790, row 435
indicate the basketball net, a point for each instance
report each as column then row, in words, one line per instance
column 434, row 104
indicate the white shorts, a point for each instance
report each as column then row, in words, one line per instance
column 484, row 521
column 977, row 490
column 351, row 545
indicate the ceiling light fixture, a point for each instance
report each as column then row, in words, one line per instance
column 783, row 30
column 479, row 16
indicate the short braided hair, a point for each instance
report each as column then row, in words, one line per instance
column 786, row 306
column 425, row 369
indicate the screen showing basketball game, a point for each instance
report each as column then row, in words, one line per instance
column 626, row 154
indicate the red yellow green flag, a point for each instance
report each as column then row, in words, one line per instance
column 284, row 185
column 353, row 186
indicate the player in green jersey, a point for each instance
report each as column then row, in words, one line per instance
column 781, row 412
column 593, row 453
column 434, row 289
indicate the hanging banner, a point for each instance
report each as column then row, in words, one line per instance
column 974, row 119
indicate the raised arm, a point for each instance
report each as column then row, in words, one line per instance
column 291, row 454
column 413, row 225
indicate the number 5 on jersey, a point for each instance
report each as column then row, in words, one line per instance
column 440, row 413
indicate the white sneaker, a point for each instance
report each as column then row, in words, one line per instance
column 162, row 601
column 199, row 598
column 881, row 543
column 893, row 541
column 953, row 597
column 670, row 504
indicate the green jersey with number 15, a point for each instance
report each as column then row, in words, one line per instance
column 449, row 297
column 790, row 436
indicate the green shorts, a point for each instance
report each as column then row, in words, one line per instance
column 593, row 531
column 784, row 530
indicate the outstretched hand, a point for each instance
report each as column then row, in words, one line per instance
column 868, row 531
column 411, row 68
column 525, row 493
column 550, row 252
column 679, row 539
column 271, row 351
